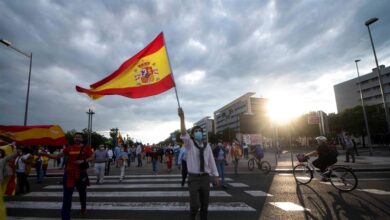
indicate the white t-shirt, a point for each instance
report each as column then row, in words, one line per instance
column 20, row 165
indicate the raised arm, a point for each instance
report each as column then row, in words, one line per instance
column 182, row 123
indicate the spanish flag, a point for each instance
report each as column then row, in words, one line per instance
column 146, row 74
column 51, row 135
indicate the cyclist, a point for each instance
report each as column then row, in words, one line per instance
column 258, row 152
column 327, row 155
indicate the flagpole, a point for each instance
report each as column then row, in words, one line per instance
column 169, row 61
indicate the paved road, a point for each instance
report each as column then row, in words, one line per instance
column 249, row 196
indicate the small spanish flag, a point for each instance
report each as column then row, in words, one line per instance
column 52, row 135
column 145, row 74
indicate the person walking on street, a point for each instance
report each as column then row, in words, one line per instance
column 122, row 162
column 349, row 149
column 201, row 165
column 182, row 164
column 354, row 147
column 76, row 159
column 154, row 157
column 237, row 154
column 23, row 167
column 220, row 159
column 138, row 153
column 246, row 150
column 110, row 155
column 101, row 157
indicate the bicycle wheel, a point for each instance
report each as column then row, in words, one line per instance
column 251, row 164
column 343, row 179
column 265, row 167
column 302, row 174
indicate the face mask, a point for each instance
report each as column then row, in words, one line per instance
column 198, row 135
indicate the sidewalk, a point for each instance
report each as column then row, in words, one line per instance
column 379, row 162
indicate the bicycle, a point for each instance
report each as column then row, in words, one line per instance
column 341, row 177
column 264, row 166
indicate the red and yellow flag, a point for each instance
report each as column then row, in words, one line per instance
column 147, row 73
column 34, row 135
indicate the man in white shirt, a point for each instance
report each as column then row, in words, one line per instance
column 200, row 165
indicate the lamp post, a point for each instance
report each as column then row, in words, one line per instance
column 368, row 23
column 90, row 114
column 364, row 110
column 8, row 44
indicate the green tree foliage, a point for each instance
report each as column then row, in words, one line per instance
column 96, row 138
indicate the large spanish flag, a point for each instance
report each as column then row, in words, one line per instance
column 147, row 73
column 51, row 135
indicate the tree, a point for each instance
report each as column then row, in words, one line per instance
column 114, row 135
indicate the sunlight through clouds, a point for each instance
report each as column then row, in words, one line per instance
column 193, row 77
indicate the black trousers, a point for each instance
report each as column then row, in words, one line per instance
column 24, row 186
column 199, row 187
column 323, row 162
column 184, row 172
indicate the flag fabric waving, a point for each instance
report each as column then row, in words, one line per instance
column 145, row 74
column 34, row 135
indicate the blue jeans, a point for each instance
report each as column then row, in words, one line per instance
column 221, row 170
column 154, row 164
column 67, row 198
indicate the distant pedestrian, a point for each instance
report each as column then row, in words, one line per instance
column 117, row 152
column 354, row 147
column 154, row 158
column 110, row 155
column 246, row 150
column 122, row 162
column 138, row 153
column 200, row 164
column 176, row 152
column 220, row 153
column 23, row 164
column 237, row 154
column 349, row 149
column 169, row 157
column 183, row 164
column 100, row 160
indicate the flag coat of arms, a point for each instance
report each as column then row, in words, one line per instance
column 145, row 74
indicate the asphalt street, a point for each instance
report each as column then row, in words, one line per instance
column 249, row 196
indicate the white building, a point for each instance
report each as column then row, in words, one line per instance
column 207, row 125
column 347, row 93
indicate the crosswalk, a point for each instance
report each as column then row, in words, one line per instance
column 157, row 193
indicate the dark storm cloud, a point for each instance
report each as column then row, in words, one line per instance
column 219, row 50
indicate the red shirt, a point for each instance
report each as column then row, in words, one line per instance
column 72, row 152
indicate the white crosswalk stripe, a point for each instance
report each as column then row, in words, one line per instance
column 137, row 206
column 128, row 194
column 112, row 196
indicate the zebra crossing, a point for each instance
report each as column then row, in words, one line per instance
column 157, row 193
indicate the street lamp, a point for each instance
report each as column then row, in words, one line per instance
column 8, row 44
column 90, row 114
column 368, row 23
column 364, row 110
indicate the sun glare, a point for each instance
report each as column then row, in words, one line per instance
column 282, row 109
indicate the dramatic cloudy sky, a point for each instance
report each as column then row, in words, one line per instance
column 288, row 51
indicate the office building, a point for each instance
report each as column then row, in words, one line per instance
column 347, row 93
column 207, row 125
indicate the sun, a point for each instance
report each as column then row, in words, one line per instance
column 283, row 108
